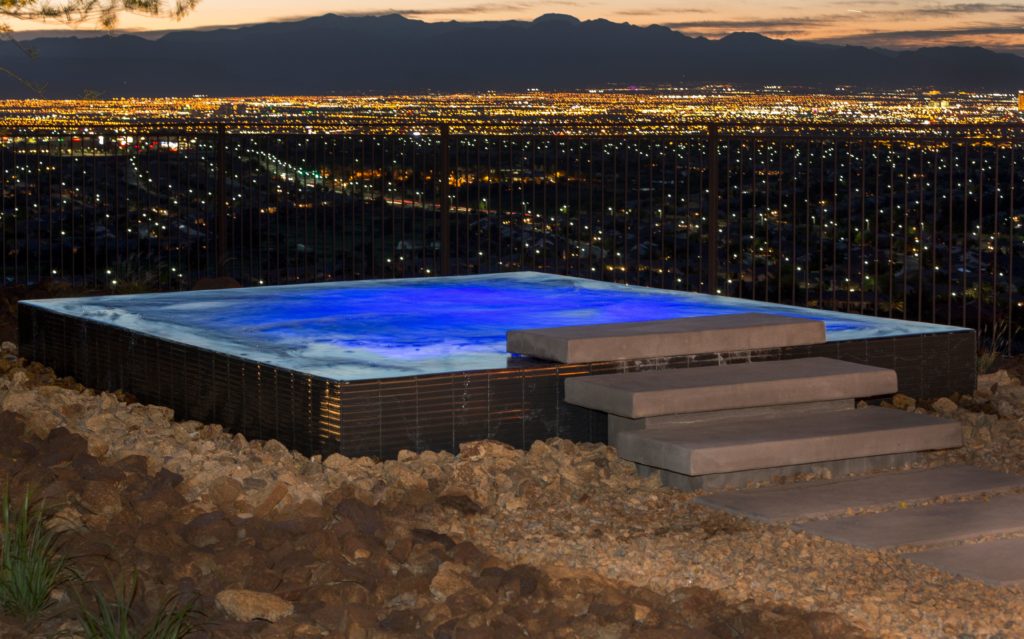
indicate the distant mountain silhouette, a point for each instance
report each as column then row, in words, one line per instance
column 333, row 54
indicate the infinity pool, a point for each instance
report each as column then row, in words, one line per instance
column 348, row 331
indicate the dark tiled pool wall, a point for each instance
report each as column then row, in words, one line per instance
column 516, row 405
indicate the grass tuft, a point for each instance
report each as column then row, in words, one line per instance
column 995, row 342
column 119, row 619
column 31, row 564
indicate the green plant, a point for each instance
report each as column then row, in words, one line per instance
column 994, row 342
column 31, row 564
column 119, row 619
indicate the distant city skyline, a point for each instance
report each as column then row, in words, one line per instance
column 884, row 23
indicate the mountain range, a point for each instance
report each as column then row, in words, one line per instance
column 335, row 54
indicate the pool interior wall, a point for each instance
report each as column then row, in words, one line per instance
column 517, row 403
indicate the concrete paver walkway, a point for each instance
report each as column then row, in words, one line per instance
column 964, row 520
column 820, row 499
column 925, row 526
column 999, row 562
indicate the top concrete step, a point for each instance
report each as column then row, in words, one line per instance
column 708, row 388
column 665, row 338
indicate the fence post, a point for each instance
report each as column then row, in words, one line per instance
column 222, row 208
column 446, row 205
column 713, row 186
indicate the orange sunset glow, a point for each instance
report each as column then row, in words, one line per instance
column 898, row 24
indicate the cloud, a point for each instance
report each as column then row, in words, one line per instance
column 927, row 34
column 971, row 7
column 484, row 7
column 659, row 11
column 742, row 25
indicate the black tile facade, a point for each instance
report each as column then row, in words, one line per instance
column 516, row 405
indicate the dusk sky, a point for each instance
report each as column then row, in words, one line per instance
column 888, row 23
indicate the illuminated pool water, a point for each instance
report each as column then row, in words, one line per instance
column 372, row 329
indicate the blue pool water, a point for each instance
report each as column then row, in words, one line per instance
column 392, row 328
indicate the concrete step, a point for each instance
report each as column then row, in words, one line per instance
column 617, row 424
column 785, row 440
column 665, row 338
column 821, row 499
column 999, row 562
column 710, row 388
column 744, row 478
column 927, row 526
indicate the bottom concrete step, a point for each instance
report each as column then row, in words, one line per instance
column 926, row 526
column 745, row 478
column 998, row 563
column 820, row 499
column 784, row 440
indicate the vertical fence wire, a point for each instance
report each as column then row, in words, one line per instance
column 916, row 226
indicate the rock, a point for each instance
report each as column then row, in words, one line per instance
column 9, row 348
column 336, row 462
column 403, row 622
column 364, row 518
column 904, row 402
column 249, row 605
column 12, row 427
column 39, row 420
column 273, row 498
column 357, row 547
column 209, row 529
column 403, row 477
column 276, row 449
column 359, row 621
column 1005, row 408
column 522, row 580
column 978, row 419
column 65, row 520
column 944, row 406
column 457, row 499
column 488, row 449
column 160, row 500
column 998, row 378
column 90, row 469
column 450, row 579
column 470, row 481
column 98, row 447
column 62, row 446
column 102, row 498
column 1013, row 393
column 223, row 491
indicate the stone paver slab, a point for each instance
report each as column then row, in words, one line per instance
column 925, row 526
column 665, row 338
column 786, row 440
column 708, row 388
column 999, row 562
column 815, row 500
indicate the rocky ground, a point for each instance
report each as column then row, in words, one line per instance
column 561, row 540
column 272, row 544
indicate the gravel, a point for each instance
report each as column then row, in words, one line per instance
column 570, row 509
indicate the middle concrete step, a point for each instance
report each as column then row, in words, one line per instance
column 710, row 388
column 785, row 440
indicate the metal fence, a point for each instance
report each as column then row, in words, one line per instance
column 918, row 222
